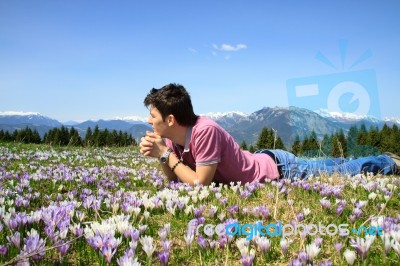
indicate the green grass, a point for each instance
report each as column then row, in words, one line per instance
column 55, row 175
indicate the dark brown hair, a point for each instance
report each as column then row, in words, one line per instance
column 172, row 99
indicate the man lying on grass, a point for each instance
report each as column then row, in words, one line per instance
column 193, row 148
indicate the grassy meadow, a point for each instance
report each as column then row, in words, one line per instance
column 112, row 206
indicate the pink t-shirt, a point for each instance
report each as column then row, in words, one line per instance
column 208, row 143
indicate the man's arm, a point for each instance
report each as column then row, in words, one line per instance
column 152, row 145
column 204, row 174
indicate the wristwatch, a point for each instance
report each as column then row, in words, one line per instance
column 165, row 156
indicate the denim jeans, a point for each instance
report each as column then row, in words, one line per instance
column 293, row 167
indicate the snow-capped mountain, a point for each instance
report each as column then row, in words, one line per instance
column 227, row 118
column 28, row 118
column 218, row 115
column 133, row 119
column 345, row 117
column 287, row 121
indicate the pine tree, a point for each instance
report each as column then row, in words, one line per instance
column 385, row 135
column 95, row 136
column 296, row 147
column 352, row 143
column 313, row 144
column 279, row 144
column 75, row 139
column 336, row 149
column 36, row 137
column 252, row 149
column 88, row 137
column 243, row 146
column 8, row 136
column 394, row 139
column 342, row 143
column 263, row 139
column 326, row 145
column 114, row 137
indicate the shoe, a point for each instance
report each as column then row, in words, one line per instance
column 396, row 160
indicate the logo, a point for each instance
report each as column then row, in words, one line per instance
column 353, row 92
column 281, row 230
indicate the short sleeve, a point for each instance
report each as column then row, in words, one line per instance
column 208, row 145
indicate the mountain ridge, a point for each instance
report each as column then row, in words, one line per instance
column 286, row 121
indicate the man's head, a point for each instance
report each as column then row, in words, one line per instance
column 172, row 99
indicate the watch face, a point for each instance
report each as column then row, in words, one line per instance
column 163, row 160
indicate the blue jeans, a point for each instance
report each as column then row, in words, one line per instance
column 292, row 167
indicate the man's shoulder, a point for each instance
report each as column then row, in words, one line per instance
column 206, row 123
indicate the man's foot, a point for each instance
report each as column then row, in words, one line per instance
column 396, row 160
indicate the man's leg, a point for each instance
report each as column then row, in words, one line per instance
column 381, row 164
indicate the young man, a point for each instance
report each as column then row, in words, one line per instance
column 193, row 148
column 197, row 148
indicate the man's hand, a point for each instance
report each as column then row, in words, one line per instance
column 152, row 145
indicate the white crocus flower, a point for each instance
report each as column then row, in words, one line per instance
column 147, row 245
column 306, row 211
column 372, row 196
column 350, row 256
column 146, row 215
column 312, row 251
column 396, row 246
column 136, row 211
column 395, row 235
column 243, row 246
column 188, row 209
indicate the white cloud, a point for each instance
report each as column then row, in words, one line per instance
column 193, row 50
column 229, row 48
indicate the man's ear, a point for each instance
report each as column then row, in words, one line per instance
column 171, row 120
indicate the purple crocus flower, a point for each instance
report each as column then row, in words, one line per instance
column 325, row 203
column 63, row 248
column 247, row 260
column 357, row 213
column 212, row 211
column 133, row 233
column 303, row 257
column 264, row 211
column 362, row 245
column 233, row 209
column 108, row 253
column 326, row 263
column 340, row 209
column 162, row 233
column 163, row 256
column 338, row 246
column 201, row 241
column 3, row 250
column 222, row 241
column 300, row 216
column 245, row 193
column 166, row 244
column 295, row 262
column 223, row 200
column 318, row 241
column 33, row 244
column 15, row 239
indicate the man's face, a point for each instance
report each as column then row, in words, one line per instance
column 156, row 121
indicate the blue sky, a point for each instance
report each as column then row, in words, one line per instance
column 79, row 60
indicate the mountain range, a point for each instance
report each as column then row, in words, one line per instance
column 286, row 121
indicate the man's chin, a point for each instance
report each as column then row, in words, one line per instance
column 157, row 133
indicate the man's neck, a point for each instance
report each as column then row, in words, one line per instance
column 179, row 136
